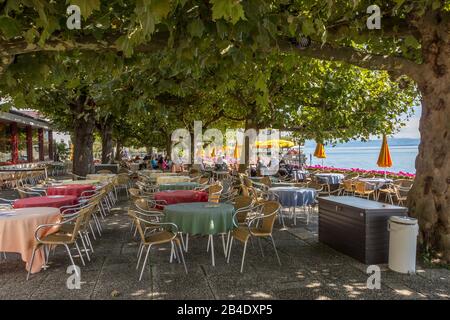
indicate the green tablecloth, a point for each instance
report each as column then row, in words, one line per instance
column 200, row 217
column 179, row 186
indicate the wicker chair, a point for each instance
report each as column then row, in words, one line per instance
column 263, row 229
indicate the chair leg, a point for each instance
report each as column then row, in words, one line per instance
column 182, row 256
column 243, row 256
column 213, row 261
column 31, row 263
column 79, row 252
column 89, row 242
column 229, row 249
column 225, row 249
column 141, row 250
column 276, row 251
column 71, row 260
column 187, row 242
column 145, row 262
column 260, row 247
column 84, row 246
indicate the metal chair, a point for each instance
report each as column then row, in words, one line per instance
column 263, row 229
column 163, row 233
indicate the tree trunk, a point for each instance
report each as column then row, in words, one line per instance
column 83, row 158
column 107, row 142
column 249, row 124
column 118, row 151
column 169, row 146
column 429, row 199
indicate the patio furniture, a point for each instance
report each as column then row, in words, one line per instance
column 17, row 227
column 87, row 181
column 45, row 201
column 179, row 186
column 70, row 190
column 329, row 178
column 65, row 237
column 163, row 232
column 111, row 168
column 214, row 192
column 101, row 176
column 357, row 227
column 260, row 226
column 292, row 197
column 172, row 179
column 201, row 218
column 181, row 196
column 364, row 189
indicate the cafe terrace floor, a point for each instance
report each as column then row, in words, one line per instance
column 309, row 270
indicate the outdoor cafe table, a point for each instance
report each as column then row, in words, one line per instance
column 258, row 179
column 375, row 183
column 179, row 186
column 330, row 178
column 45, row 201
column 172, row 179
column 101, row 176
column 87, row 181
column 69, row 190
column 181, row 196
column 300, row 175
column 202, row 218
column 17, row 227
column 294, row 196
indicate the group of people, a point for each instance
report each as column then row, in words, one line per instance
column 155, row 162
column 275, row 167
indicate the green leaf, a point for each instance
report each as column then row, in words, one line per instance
column 86, row 6
column 196, row 28
column 411, row 41
column 228, row 10
column 160, row 8
column 308, row 27
column 9, row 27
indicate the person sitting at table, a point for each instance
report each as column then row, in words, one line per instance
column 154, row 163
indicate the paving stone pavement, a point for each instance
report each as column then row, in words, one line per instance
column 310, row 270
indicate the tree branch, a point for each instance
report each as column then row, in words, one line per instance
column 396, row 65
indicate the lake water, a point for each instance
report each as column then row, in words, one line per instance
column 403, row 158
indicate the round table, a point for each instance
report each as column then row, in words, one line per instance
column 87, row 181
column 181, row 196
column 200, row 217
column 178, row 186
column 172, row 179
column 70, row 190
column 45, row 201
column 330, row 178
column 258, row 179
column 101, row 176
column 17, row 229
column 294, row 196
column 375, row 183
column 300, row 175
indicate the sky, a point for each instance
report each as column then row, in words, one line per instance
column 411, row 130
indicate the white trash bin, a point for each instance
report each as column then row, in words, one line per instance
column 403, row 233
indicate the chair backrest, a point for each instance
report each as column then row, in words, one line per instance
column 348, row 185
column 214, row 192
column 244, row 205
column 104, row 171
column 203, row 180
column 266, row 180
column 247, row 182
column 315, row 185
column 123, row 179
column 360, row 187
column 269, row 212
column 25, row 194
column 142, row 204
column 404, row 183
column 135, row 193
column 353, row 175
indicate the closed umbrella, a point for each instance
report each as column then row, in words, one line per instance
column 213, row 153
column 236, row 152
column 320, row 152
column 384, row 159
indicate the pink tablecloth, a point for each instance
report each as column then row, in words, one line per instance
column 17, row 229
column 70, row 190
column 182, row 196
column 46, row 201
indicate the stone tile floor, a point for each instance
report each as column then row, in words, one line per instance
column 309, row 270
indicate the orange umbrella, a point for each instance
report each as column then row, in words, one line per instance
column 236, row 151
column 320, row 151
column 384, row 159
column 213, row 153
